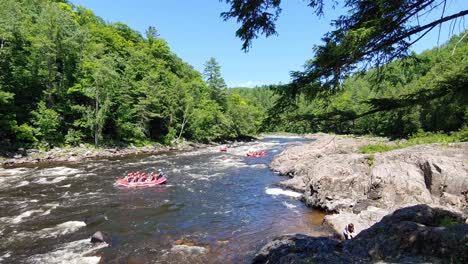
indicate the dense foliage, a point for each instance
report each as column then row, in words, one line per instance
column 67, row 77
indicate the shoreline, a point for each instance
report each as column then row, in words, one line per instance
column 420, row 190
column 29, row 157
column 77, row 154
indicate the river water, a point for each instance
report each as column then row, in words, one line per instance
column 216, row 208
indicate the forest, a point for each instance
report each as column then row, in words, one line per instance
column 67, row 78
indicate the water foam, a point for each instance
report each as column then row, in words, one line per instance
column 288, row 205
column 5, row 256
column 52, row 207
column 21, row 184
column 76, row 252
column 59, row 171
column 61, row 229
column 13, row 172
column 24, row 215
column 278, row 191
column 10, row 177
column 55, row 180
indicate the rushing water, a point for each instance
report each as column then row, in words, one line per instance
column 216, row 208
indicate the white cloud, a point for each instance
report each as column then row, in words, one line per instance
column 249, row 84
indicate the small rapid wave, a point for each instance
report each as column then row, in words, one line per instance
column 289, row 205
column 13, row 172
column 61, row 229
column 13, row 177
column 5, row 256
column 45, row 210
column 25, row 215
column 51, row 232
column 23, row 183
column 278, row 191
column 58, row 171
column 76, row 252
column 55, row 180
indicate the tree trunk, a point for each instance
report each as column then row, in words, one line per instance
column 183, row 123
column 96, row 125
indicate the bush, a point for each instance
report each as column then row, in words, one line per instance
column 25, row 133
column 47, row 121
column 418, row 139
column 73, row 137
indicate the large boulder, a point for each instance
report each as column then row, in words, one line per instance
column 417, row 234
column 299, row 248
column 100, row 237
column 362, row 188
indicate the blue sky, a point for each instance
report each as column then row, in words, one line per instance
column 195, row 32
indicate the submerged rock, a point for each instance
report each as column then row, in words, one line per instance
column 100, row 237
column 417, row 234
column 96, row 220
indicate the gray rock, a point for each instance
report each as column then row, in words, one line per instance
column 100, row 237
column 299, row 249
column 410, row 235
column 335, row 177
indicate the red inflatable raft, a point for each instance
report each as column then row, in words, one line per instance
column 257, row 154
column 124, row 182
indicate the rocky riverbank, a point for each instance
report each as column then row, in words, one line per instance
column 77, row 154
column 360, row 188
column 417, row 234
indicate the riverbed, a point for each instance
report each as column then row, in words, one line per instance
column 216, row 208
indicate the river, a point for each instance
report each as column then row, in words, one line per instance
column 216, row 208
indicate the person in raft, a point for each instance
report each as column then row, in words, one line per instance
column 143, row 177
column 130, row 177
column 160, row 174
column 136, row 177
column 152, row 176
column 348, row 232
column 127, row 177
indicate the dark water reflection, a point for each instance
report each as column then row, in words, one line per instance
column 214, row 209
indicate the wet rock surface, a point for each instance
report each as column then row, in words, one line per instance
column 417, row 234
column 100, row 237
column 363, row 188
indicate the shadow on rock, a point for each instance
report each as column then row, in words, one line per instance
column 417, row 234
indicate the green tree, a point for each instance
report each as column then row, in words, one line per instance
column 46, row 121
column 98, row 84
column 371, row 33
column 212, row 74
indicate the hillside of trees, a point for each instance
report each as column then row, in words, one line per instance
column 67, row 77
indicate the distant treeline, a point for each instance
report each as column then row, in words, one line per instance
column 68, row 77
